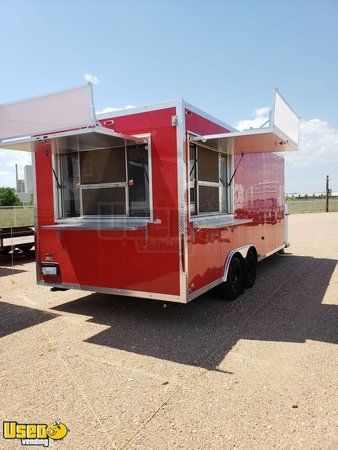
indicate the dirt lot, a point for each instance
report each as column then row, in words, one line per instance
column 128, row 373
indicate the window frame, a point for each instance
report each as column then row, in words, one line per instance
column 57, row 195
column 225, row 192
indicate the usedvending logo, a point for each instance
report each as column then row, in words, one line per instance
column 34, row 433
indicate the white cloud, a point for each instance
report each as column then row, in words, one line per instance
column 91, row 78
column 261, row 115
column 8, row 159
column 318, row 139
column 318, row 144
column 263, row 112
column 112, row 109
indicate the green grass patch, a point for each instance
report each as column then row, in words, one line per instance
column 311, row 205
column 17, row 216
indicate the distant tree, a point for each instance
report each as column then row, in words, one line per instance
column 8, row 197
column 31, row 201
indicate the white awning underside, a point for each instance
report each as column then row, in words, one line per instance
column 281, row 136
column 55, row 116
column 25, row 122
column 89, row 138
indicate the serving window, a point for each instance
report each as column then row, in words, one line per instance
column 105, row 181
column 209, row 171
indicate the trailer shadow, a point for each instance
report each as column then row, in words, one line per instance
column 15, row 318
column 16, row 258
column 9, row 267
column 6, row 271
column 284, row 305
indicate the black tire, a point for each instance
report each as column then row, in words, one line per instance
column 25, row 248
column 233, row 287
column 5, row 250
column 250, row 269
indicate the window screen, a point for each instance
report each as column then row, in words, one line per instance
column 102, row 181
column 207, row 165
column 70, row 184
column 103, row 166
column 208, row 181
column 192, row 176
column 138, row 181
column 208, row 198
column 224, row 182
column 104, row 201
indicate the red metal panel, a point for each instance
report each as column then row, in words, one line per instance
column 269, row 194
column 280, row 226
column 116, row 259
column 201, row 125
column 249, row 204
column 259, row 195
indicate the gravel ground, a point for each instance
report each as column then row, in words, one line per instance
column 129, row 373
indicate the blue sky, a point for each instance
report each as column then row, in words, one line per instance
column 224, row 56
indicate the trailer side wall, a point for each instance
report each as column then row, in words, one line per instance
column 126, row 260
column 258, row 195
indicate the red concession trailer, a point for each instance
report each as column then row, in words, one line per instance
column 162, row 201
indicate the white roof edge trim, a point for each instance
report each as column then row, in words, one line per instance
column 139, row 109
column 206, row 115
column 163, row 105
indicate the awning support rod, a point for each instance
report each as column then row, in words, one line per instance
column 233, row 175
column 51, row 165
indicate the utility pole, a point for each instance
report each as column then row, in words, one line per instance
column 16, row 178
column 327, row 193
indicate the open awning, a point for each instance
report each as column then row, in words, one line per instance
column 84, row 139
column 281, row 135
column 67, row 115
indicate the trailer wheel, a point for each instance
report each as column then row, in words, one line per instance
column 250, row 269
column 233, row 287
column 26, row 250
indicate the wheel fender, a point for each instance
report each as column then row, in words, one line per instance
column 243, row 251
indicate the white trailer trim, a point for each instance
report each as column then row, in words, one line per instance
column 115, row 291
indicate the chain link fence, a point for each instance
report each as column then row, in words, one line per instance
column 16, row 216
column 311, row 205
column 19, row 216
